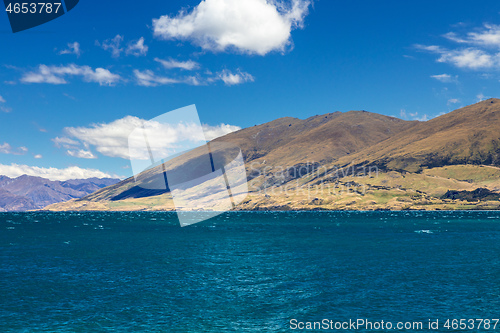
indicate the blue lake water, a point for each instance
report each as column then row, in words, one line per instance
column 244, row 272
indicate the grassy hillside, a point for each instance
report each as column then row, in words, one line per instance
column 412, row 165
column 465, row 136
column 386, row 190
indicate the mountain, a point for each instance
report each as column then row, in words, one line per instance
column 285, row 142
column 324, row 138
column 466, row 136
column 28, row 192
column 410, row 164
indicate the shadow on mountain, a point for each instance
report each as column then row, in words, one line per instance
column 138, row 192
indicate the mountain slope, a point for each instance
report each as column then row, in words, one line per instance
column 284, row 142
column 324, row 138
column 470, row 135
column 416, row 163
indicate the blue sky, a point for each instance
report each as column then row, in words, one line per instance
column 68, row 84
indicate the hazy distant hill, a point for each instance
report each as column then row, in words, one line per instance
column 417, row 163
column 28, row 192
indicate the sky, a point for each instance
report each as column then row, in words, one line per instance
column 73, row 89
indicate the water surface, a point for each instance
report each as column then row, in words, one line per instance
column 245, row 272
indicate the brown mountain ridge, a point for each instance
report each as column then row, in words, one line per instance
column 417, row 163
column 469, row 135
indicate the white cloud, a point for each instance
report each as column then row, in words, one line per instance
column 445, row 78
column 231, row 79
column 412, row 116
column 478, row 49
column 430, row 48
column 470, row 58
column 65, row 142
column 70, row 96
column 488, row 36
column 74, row 172
column 81, row 153
column 171, row 63
column 248, row 26
column 194, row 81
column 112, row 45
column 2, row 107
column 481, row 97
column 415, row 116
column 137, row 48
column 212, row 132
column 148, row 79
column 73, row 48
column 38, row 156
column 453, row 101
column 6, row 148
column 57, row 74
column 112, row 139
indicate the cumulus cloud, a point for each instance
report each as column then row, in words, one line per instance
column 231, row 79
column 248, row 26
column 74, row 172
column 171, row 63
column 112, row 45
column 445, row 78
column 38, row 156
column 137, row 48
column 73, row 48
column 58, row 74
column 112, row 139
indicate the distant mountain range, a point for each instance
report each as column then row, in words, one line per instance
column 418, row 164
column 29, row 193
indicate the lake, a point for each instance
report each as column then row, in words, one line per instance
column 245, row 271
